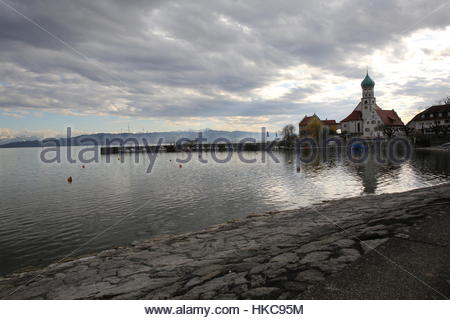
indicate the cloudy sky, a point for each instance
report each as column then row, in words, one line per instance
column 102, row 65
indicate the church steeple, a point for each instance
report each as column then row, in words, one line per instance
column 367, row 83
column 367, row 86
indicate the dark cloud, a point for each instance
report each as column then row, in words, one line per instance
column 180, row 58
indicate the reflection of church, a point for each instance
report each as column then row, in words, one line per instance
column 372, row 173
column 367, row 117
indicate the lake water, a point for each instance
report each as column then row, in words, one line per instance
column 44, row 218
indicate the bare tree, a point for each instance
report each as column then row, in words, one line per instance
column 289, row 135
column 445, row 100
column 409, row 131
column 436, row 127
column 387, row 131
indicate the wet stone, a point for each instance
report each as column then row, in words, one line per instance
column 315, row 257
column 261, row 293
column 310, row 276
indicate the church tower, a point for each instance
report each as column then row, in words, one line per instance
column 368, row 106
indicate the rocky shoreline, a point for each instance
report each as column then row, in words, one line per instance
column 276, row 255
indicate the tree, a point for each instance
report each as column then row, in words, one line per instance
column 387, row 131
column 408, row 130
column 436, row 127
column 445, row 100
column 314, row 128
column 289, row 135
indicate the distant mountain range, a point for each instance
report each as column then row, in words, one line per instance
column 152, row 138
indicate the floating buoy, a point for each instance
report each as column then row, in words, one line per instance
column 289, row 161
column 83, row 166
column 298, row 169
column 69, row 179
column 181, row 166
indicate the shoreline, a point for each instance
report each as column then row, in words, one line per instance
column 436, row 148
column 275, row 255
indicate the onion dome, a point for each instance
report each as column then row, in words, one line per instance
column 367, row 83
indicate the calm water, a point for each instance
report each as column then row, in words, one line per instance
column 43, row 218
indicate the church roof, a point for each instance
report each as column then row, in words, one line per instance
column 367, row 83
column 390, row 118
column 354, row 116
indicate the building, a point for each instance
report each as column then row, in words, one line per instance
column 330, row 125
column 367, row 118
column 432, row 120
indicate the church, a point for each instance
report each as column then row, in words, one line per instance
column 367, row 118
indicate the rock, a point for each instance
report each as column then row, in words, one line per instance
column 369, row 245
column 171, row 260
column 193, row 282
column 261, row 293
column 274, row 271
column 220, row 284
column 209, row 269
column 329, row 266
column 258, row 269
column 138, row 282
column 295, row 286
column 348, row 255
column 257, row 280
column 310, row 276
column 315, row 257
column 285, row 258
column 226, row 296
column 314, row 246
column 345, row 243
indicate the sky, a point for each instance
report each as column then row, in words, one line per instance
column 101, row 66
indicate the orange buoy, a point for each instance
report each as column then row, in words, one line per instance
column 69, row 179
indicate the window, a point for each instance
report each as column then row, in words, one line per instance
column 365, row 101
column 431, row 115
column 422, row 116
column 373, row 122
column 367, row 129
column 345, row 126
column 365, row 107
column 368, row 122
column 440, row 114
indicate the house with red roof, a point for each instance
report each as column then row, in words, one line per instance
column 367, row 118
column 331, row 125
column 431, row 119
